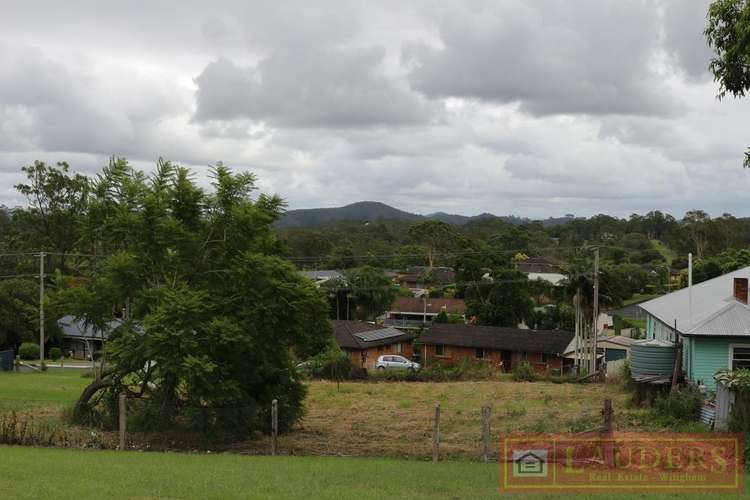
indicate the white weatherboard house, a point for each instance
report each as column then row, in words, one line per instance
column 712, row 321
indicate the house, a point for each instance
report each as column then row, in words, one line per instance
column 416, row 313
column 710, row 319
column 364, row 342
column 504, row 347
column 81, row 340
column 615, row 347
column 539, row 268
column 420, row 278
column 608, row 348
column 321, row 276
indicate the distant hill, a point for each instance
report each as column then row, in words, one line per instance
column 363, row 211
column 367, row 211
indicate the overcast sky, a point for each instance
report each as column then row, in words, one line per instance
column 534, row 108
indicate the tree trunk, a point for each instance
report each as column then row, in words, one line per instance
column 88, row 393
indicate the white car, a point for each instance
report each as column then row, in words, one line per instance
column 395, row 362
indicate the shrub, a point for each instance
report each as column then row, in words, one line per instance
column 678, row 407
column 29, row 351
column 331, row 364
column 466, row 369
column 55, row 353
column 524, row 372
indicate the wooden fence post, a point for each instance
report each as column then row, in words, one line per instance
column 274, row 427
column 607, row 412
column 123, row 409
column 436, row 434
column 17, row 363
column 486, row 415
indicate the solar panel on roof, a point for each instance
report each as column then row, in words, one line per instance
column 374, row 335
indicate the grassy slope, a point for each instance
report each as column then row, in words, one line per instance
column 54, row 389
column 666, row 252
column 81, row 475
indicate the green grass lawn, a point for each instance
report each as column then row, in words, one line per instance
column 54, row 389
column 55, row 473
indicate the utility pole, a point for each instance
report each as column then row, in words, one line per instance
column 41, row 309
column 578, row 346
column 596, row 308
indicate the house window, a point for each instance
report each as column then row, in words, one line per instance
column 480, row 353
column 439, row 350
column 740, row 357
column 398, row 348
column 381, row 348
column 545, row 357
column 524, row 356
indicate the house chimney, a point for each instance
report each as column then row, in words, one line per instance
column 740, row 289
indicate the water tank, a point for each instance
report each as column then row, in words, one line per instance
column 652, row 358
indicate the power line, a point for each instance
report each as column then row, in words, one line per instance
column 448, row 254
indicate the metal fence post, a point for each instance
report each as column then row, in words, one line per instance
column 274, row 427
column 123, row 409
column 486, row 415
column 436, row 434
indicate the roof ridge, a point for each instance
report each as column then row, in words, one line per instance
column 732, row 304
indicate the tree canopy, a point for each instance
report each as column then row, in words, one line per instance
column 209, row 314
column 728, row 33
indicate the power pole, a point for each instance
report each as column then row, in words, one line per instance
column 596, row 308
column 41, row 309
column 578, row 346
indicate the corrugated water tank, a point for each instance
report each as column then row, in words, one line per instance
column 652, row 357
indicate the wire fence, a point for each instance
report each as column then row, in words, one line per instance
column 427, row 431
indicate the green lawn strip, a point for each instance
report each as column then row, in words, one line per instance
column 80, row 475
column 638, row 298
column 53, row 388
column 95, row 474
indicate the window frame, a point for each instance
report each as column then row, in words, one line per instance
column 477, row 350
column 440, row 348
column 730, row 362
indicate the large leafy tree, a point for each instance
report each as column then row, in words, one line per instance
column 728, row 33
column 501, row 299
column 371, row 290
column 436, row 237
column 210, row 315
column 57, row 203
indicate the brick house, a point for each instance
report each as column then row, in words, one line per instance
column 364, row 342
column 418, row 312
column 504, row 347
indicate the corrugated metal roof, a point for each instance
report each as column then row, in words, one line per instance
column 323, row 274
column 732, row 318
column 553, row 278
column 708, row 298
column 72, row 328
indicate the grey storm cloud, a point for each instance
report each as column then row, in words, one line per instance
column 587, row 56
column 510, row 106
column 320, row 87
